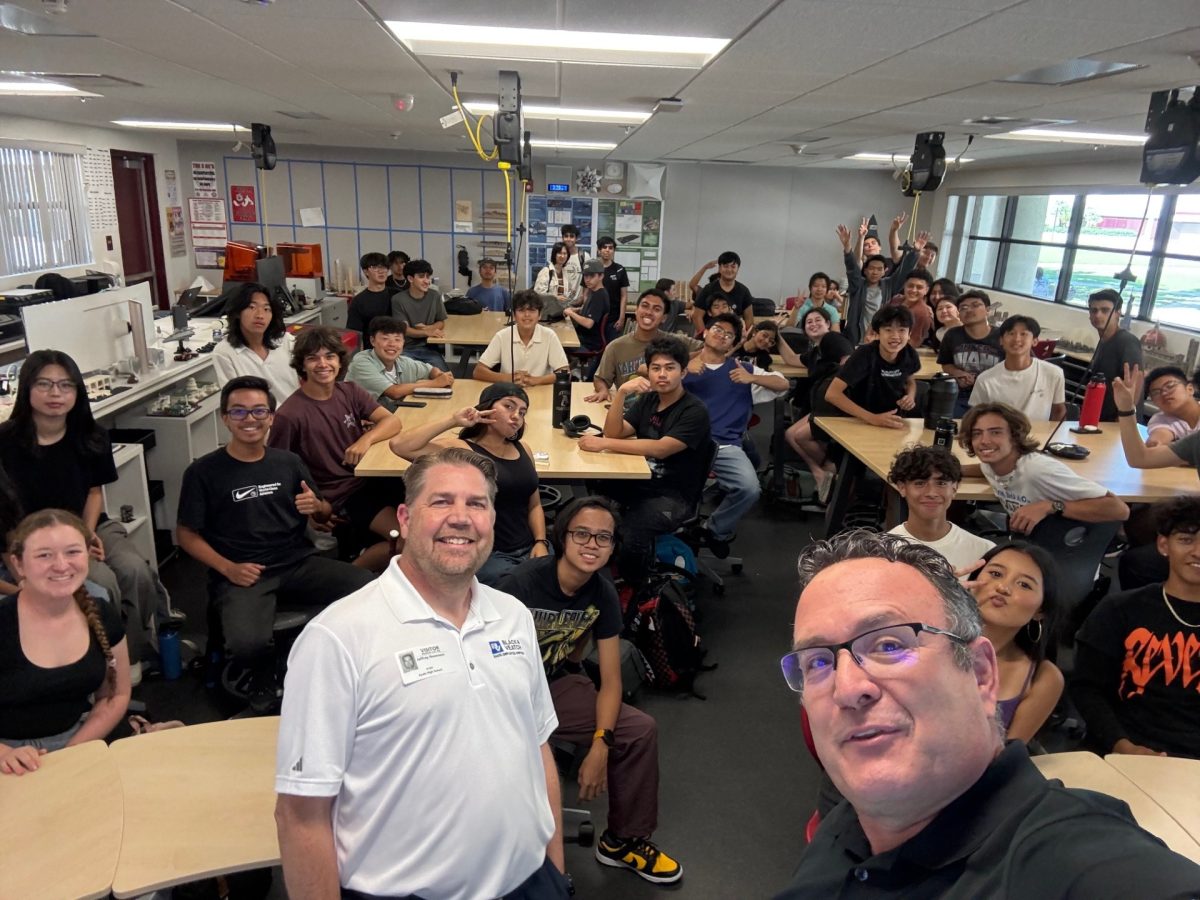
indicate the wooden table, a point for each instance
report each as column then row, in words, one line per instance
column 470, row 333
column 566, row 460
column 62, row 825
column 199, row 802
column 1170, row 781
column 1088, row 771
column 929, row 367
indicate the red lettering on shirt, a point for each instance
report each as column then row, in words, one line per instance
column 1174, row 656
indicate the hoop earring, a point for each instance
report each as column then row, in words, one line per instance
column 1029, row 630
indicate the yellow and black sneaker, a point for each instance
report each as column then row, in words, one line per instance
column 639, row 855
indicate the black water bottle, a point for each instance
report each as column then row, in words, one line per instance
column 562, row 399
column 943, row 433
column 943, row 395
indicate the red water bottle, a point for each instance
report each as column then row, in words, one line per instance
column 1093, row 400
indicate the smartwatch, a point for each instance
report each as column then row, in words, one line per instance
column 606, row 735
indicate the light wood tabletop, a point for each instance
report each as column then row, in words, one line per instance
column 877, row 447
column 565, row 459
column 199, row 802
column 1170, row 781
column 1090, row 772
column 62, row 825
column 478, row 331
column 929, row 367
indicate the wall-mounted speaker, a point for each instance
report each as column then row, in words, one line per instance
column 262, row 146
column 927, row 166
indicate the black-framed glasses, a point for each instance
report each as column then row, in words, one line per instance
column 46, row 385
column 581, row 536
column 239, row 413
column 880, row 652
column 1164, row 389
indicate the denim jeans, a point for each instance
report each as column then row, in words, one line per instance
column 737, row 477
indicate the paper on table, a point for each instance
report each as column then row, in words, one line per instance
column 312, row 216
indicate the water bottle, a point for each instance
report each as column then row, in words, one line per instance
column 169, row 653
column 1093, row 401
column 562, row 399
column 943, row 433
column 943, row 395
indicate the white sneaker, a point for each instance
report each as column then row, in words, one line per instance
column 825, row 487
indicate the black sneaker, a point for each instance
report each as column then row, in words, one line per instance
column 718, row 546
column 265, row 694
column 640, row 856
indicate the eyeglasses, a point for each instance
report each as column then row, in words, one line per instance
column 1164, row 389
column 880, row 652
column 46, row 385
column 723, row 333
column 581, row 536
column 239, row 413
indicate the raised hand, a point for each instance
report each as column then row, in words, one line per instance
column 898, row 222
column 921, row 240
column 1127, row 390
column 843, row 234
column 307, row 502
column 864, row 226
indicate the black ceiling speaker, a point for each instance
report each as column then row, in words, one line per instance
column 262, row 146
column 927, row 166
column 508, row 125
column 1172, row 151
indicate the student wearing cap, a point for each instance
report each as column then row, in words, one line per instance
column 493, row 429
column 487, row 293
column 589, row 318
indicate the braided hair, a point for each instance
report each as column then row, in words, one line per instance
column 48, row 518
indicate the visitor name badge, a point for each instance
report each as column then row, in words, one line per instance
column 420, row 663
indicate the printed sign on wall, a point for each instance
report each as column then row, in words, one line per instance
column 243, row 203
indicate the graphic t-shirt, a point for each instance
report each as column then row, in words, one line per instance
column 970, row 354
column 874, row 383
column 1035, row 477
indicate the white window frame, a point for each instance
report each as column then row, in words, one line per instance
column 43, row 209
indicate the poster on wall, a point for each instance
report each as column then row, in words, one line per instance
column 636, row 226
column 204, row 180
column 243, row 202
column 210, row 259
column 545, row 218
column 464, row 216
column 172, row 187
column 175, row 231
column 206, row 212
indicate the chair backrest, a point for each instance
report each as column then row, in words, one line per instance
column 1078, row 548
column 710, row 456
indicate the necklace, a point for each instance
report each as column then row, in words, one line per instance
column 1178, row 619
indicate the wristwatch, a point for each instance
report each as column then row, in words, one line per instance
column 606, row 735
column 1057, row 506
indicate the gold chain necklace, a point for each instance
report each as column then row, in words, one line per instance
column 1178, row 618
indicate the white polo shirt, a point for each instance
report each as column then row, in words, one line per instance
column 428, row 737
column 542, row 355
column 231, row 361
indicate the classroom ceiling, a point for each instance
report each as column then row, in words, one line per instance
column 802, row 82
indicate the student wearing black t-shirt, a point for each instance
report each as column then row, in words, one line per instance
column 669, row 427
column 46, row 686
column 1138, row 652
column 970, row 348
column 59, row 458
column 396, row 280
column 574, row 603
column 589, row 318
column 876, row 383
column 741, row 301
column 1117, row 349
column 373, row 300
column 616, row 283
column 244, row 511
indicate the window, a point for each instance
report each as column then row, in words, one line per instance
column 43, row 211
column 1064, row 247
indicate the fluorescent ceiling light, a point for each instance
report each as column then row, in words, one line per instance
column 488, row 42
column 1060, row 136
column 567, row 113
column 179, row 126
column 897, row 157
column 41, row 89
column 571, row 145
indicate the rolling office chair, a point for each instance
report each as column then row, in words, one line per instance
column 592, row 357
column 689, row 530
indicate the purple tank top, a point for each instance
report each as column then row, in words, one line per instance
column 1008, row 708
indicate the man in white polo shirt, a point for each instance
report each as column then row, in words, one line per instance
column 412, row 756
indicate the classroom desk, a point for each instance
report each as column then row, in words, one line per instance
column 1170, row 781
column 470, row 333
column 199, row 802
column 875, row 448
column 1090, row 772
column 929, row 367
column 62, row 825
column 566, row 460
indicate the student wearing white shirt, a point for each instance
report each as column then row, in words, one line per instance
column 928, row 478
column 558, row 278
column 257, row 343
column 527, row 357
column 1023, row 381
column 1029, row 484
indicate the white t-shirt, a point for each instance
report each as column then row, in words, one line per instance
column 543, row 354
column 230, row 362
column 960, row 547
column 428, row 737
column 1039, row 477
column 1032, row 390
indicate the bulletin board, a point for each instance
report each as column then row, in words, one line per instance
column 546, row 216
column 636, row 226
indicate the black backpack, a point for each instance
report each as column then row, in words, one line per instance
column 660, row 624
column 462, row 306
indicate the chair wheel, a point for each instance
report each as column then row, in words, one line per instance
column 736, row 568
column 587, row 834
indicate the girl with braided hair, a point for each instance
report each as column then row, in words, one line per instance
column 64, row 663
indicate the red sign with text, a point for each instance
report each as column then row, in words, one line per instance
column 243, row 203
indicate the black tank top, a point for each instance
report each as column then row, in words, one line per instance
column 516, row 479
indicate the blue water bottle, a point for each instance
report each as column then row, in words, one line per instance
column 169, row 653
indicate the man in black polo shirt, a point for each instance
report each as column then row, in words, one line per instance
column 904, row 722
column 671, row 428
column 573, row 603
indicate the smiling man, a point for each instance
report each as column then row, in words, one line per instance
column 970, row 348
column 387, row 375
column 876, row 383
column 624, row 357
column 900, row 689
column 413, row 758
column 244, row 510
column 1023, row 381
